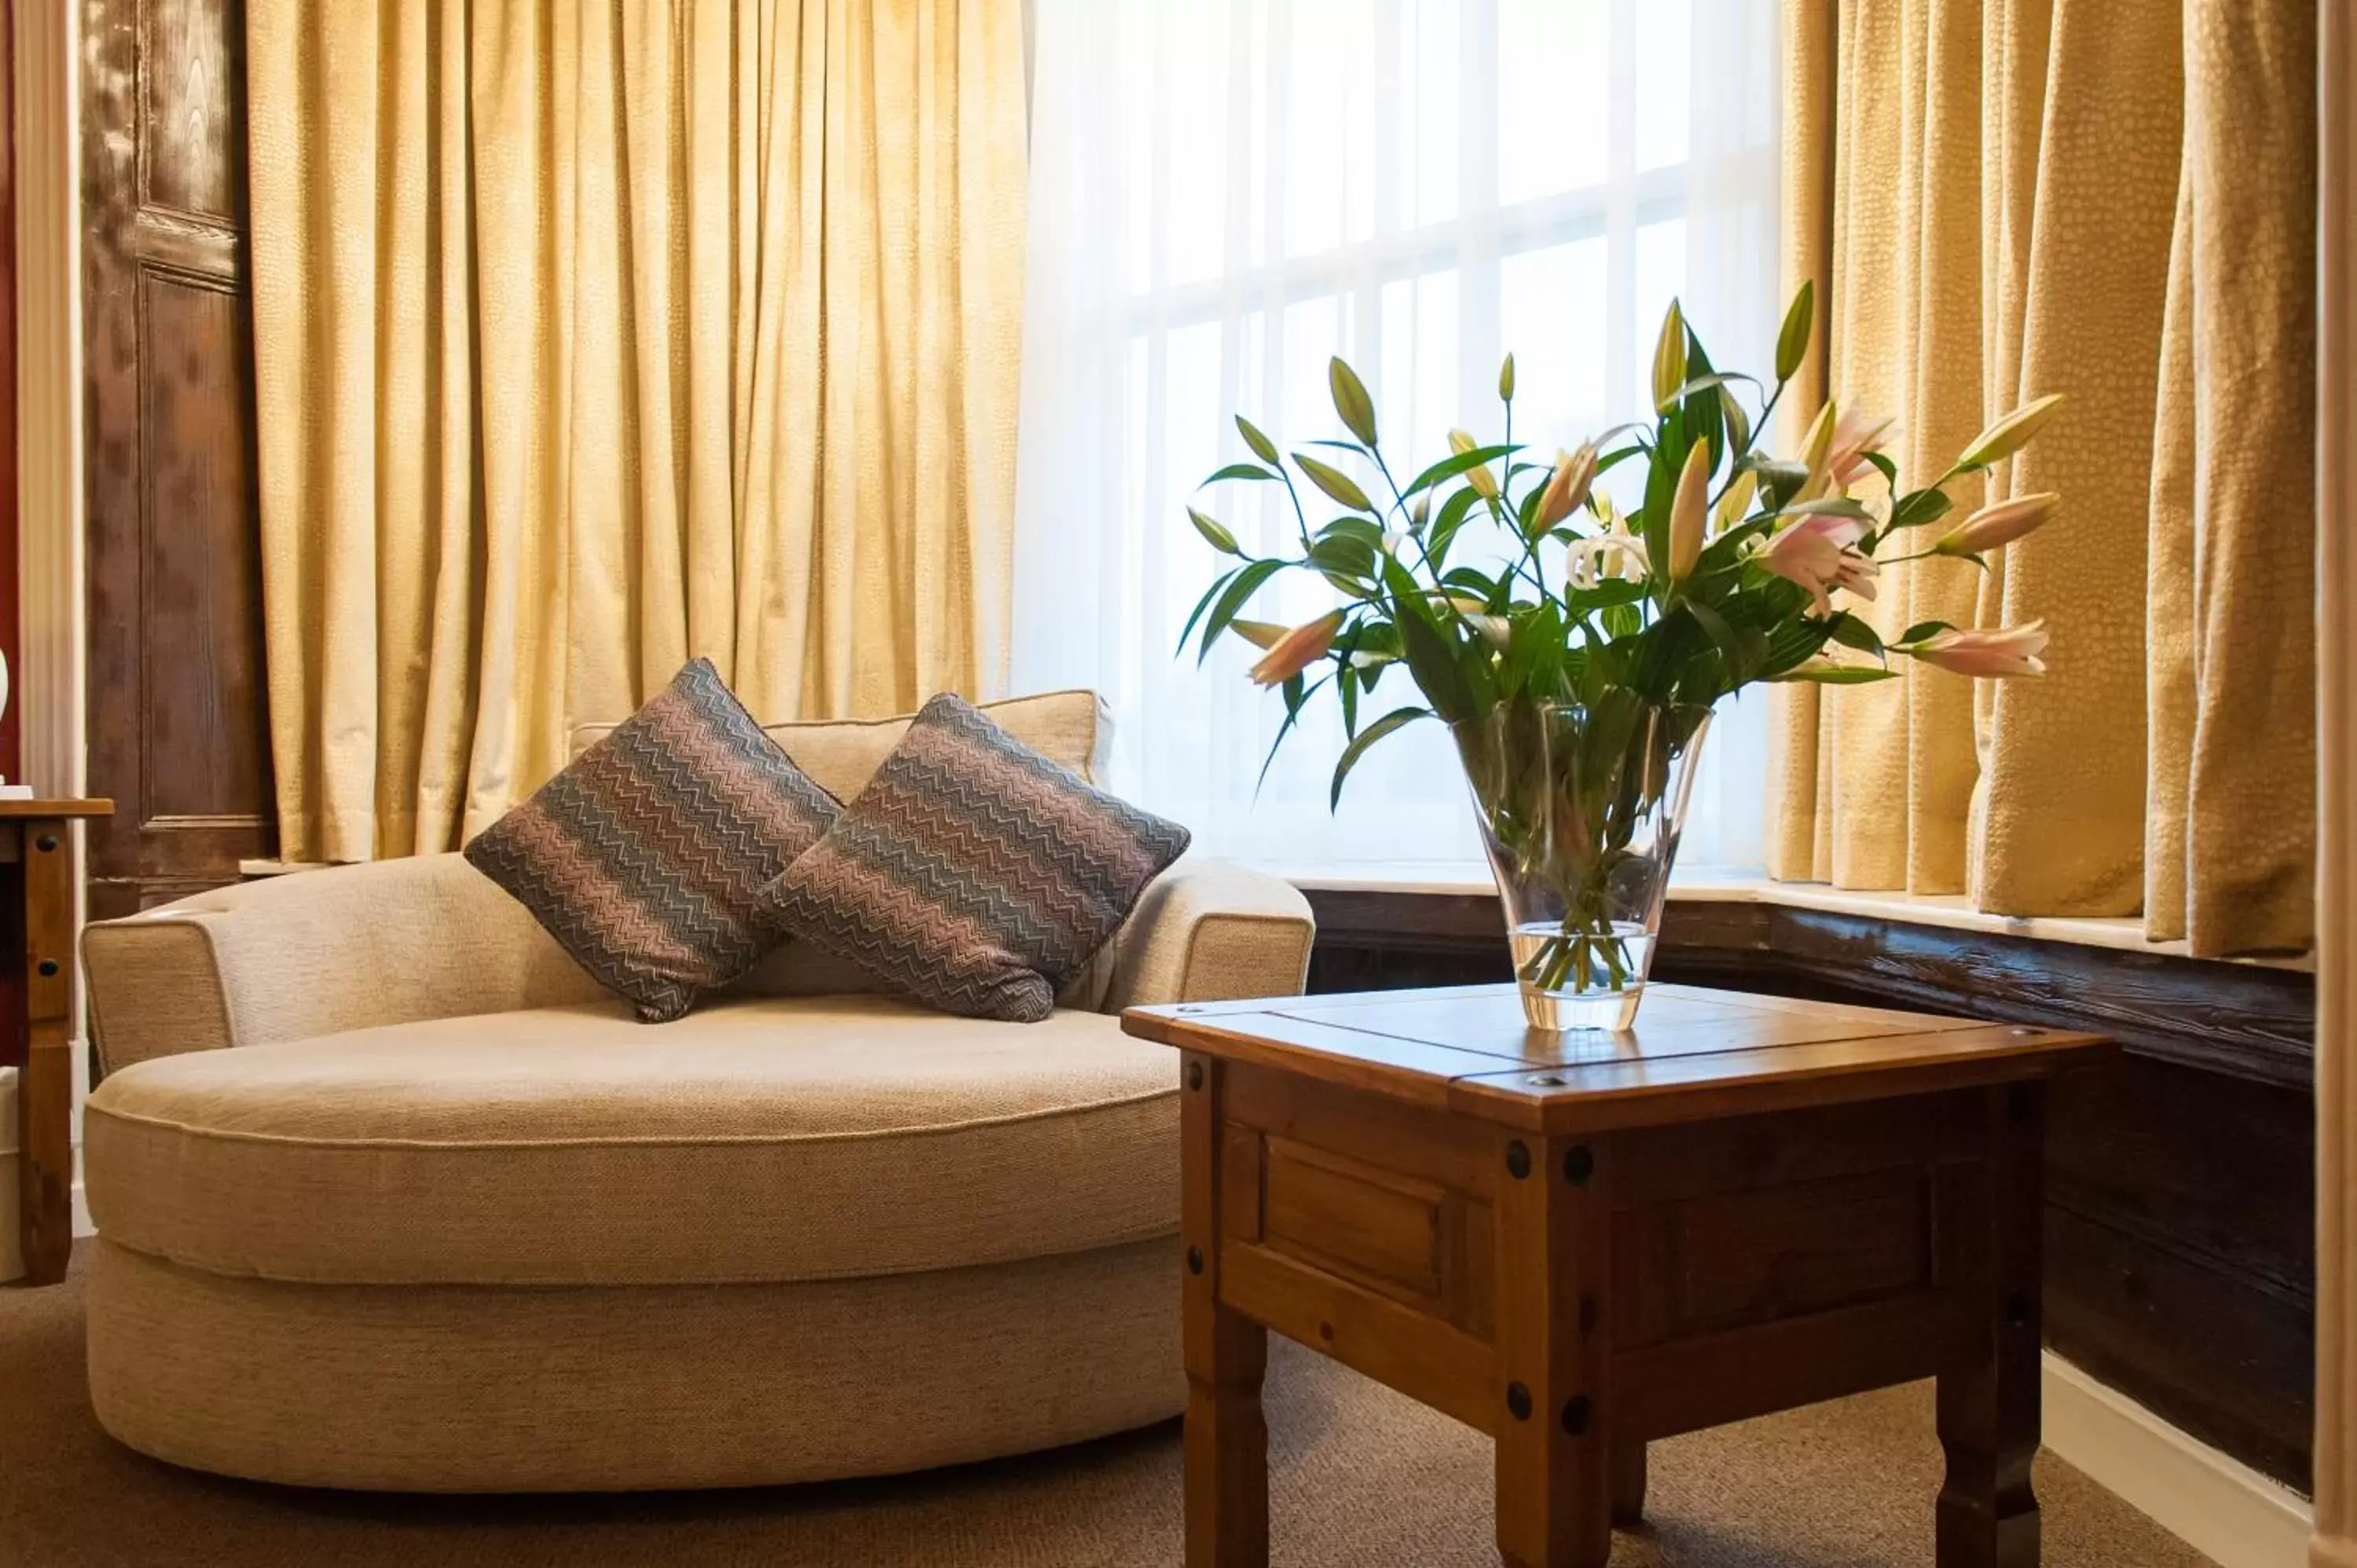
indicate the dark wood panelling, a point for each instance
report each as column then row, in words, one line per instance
column 2181, row 1193
column 178, row 725
column 191, row 138
column 201, row 581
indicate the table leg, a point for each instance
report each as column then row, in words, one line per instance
column 1628, row 1483
column 1555, row 1486
column 1989, row 1401
column 45, row 1085
column 1227, row 1353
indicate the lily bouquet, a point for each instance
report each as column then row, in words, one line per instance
column 1576, row 647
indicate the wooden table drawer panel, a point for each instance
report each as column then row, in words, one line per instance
column 1380, row 1228
column 1734, row 1259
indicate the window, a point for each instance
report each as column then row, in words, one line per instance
column 1226, row 193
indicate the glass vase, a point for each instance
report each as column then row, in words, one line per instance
column 1580, row 807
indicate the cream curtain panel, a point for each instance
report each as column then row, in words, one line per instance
column 591, row 339
column 2001, row 198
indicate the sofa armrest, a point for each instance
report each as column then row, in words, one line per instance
column 1210, row 931
column 312, row 953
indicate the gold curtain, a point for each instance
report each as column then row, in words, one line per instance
column 590, row 339
column 2002, row 198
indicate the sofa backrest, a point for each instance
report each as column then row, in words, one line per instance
column 1074, row 728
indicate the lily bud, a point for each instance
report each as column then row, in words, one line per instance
column 1670, row 358
column 2010, row 435
column 1735, row 501
column 1689, row 510
column 1506, row 380
column 1816, row 450
column 2007, row 651
column 1297, row 649
column 2001, row 523
column 1484, row 483
column 1575, row 472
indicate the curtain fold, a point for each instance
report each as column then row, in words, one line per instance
column 2022, row 197
column 590, row 339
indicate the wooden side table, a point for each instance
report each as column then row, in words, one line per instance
column 1578, row 1243
column 37, row 881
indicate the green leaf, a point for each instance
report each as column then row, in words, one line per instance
column 1333, row 481
column 1239, row 471
column 1919, row 630
column 1723, row 636
column 1294, row 697
column 1247, row 583
column 1397, row 718
column 1432, row 659
column 1341, row 554
column 1777, row 479
column 1364, row 529
column 1714, row 378
column 1457, row 463
column 1831, row 506
column 1445, row 527
column 1263, row 447
column 1919, row 507
column 1836, row 674
column 1201, row 605
column 1852, row 632
column 1881, row 463
column 1738, row 422
column 1221, row 539
column 1792, row 338
column 1351, row 400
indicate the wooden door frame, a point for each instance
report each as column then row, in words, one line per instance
column 2336, row 954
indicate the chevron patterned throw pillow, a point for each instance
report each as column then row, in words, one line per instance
column 973, row 873
column 646, row 855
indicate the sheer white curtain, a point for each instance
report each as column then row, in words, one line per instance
column 1224, row 193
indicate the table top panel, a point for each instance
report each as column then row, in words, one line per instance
column 57, row 808
column 1468, row 1047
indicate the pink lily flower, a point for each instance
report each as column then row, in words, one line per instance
column 1817, row 554
column 2004, row 650
column 1854, row 437
column 1297, row 649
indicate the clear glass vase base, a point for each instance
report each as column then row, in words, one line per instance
column 1589, row 996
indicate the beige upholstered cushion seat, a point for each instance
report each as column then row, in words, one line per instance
column 391, row 1194
column 761, row 1139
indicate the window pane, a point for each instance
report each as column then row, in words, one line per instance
column 1555, row 90
column 1664, row 75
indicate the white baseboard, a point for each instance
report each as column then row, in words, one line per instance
column 2219, row 1507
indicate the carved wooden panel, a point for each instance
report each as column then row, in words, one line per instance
column 178, row 722
column 192, row 140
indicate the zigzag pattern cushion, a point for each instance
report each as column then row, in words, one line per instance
column 646, row 856
column 973, row 873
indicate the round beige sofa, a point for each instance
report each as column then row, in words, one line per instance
column 390, row 1196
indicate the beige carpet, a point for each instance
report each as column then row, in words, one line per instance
column 1361, row 1478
